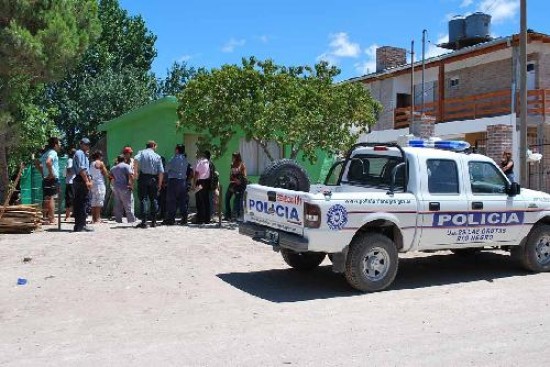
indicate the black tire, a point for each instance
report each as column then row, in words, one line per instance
column 383, row 264
column 285, row 174
column 534, row 253
column 466, row 251
column 303, row 261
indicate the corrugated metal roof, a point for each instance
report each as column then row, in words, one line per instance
column 462, row 51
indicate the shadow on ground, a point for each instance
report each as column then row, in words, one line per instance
column 58, row 230
column 288, row 285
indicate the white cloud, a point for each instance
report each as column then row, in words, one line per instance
column 264, row 38
column 432, row 50
column 328, row 57
column 500, row 10
column 466, row 3
column 340, row 46
column 232, row 44
column 367, row 66
column 185, row 58
column 371, row 51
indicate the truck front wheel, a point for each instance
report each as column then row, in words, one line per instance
column 303, row 260
column 372, row 263
column 534, row 253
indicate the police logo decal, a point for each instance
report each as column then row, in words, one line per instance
column 337, row 217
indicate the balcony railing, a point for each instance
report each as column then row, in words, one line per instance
column 477, row 106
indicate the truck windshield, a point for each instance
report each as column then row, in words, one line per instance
column 374, row 171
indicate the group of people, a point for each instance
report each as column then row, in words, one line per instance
column 78, row 182
column 86, row 176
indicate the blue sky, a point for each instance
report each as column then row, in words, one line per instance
column 346, row 33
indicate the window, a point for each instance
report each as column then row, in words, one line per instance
column 374, row 171
column 454, row 83
column 254, row 156
column 530, row 67
column 430, row 92
column 403, row 100
column 334, row 174
column 442, row 176
column 486, row 178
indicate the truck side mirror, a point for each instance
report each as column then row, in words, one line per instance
column 513, row 189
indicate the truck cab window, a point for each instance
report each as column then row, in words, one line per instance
column 374, row 171
column 334, row 174
column 486, row 178
column 442, row 176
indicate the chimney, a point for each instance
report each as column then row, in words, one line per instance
column 389, row 57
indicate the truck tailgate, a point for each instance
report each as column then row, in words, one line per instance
column 276, row 208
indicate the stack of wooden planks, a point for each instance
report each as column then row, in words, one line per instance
column 20, row 219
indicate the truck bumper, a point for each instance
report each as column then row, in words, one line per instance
column 265, row 235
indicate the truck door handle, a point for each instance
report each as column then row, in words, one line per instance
column 477, row 205
column 434, row 206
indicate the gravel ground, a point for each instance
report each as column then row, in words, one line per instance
column 189, row 296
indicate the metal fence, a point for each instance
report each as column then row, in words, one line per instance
column 539, row 172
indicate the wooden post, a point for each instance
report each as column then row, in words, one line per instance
column 59, row 209
column 11, row 190
column 220, row 201
column 544, row 104
column 441, row 94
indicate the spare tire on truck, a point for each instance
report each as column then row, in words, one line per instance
column 285, row 174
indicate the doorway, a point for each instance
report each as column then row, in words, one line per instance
column 190, row 141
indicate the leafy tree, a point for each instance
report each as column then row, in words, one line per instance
column 176, row 79
column 39, row 42
column 34, row 126
column 297, row 107
column 112, row 78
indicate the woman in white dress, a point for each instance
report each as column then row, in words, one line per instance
column 99, row 173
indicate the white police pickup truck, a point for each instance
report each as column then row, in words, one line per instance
column 383, row 199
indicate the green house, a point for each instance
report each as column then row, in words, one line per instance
column 157, row 121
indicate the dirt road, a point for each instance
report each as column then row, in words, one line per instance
column 173, row 296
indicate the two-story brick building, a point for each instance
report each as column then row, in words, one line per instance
column 469, row 93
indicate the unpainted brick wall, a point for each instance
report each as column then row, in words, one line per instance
column 543, row 71
column 388, row 57
column 382, row 90
column 479, row 79
column 499, row 138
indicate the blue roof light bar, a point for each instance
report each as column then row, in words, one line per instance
column 453, row 145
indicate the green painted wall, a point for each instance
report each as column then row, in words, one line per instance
column 157, row 121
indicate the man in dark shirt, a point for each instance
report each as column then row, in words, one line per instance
column 177, row 186
column 149, row 170
column 81, row 185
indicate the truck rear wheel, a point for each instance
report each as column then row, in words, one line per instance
column 302, row 260
column 534, row 253
column 371, row 263
column 285, row 174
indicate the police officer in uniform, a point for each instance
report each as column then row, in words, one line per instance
column 149, row 165
column 176, row 196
